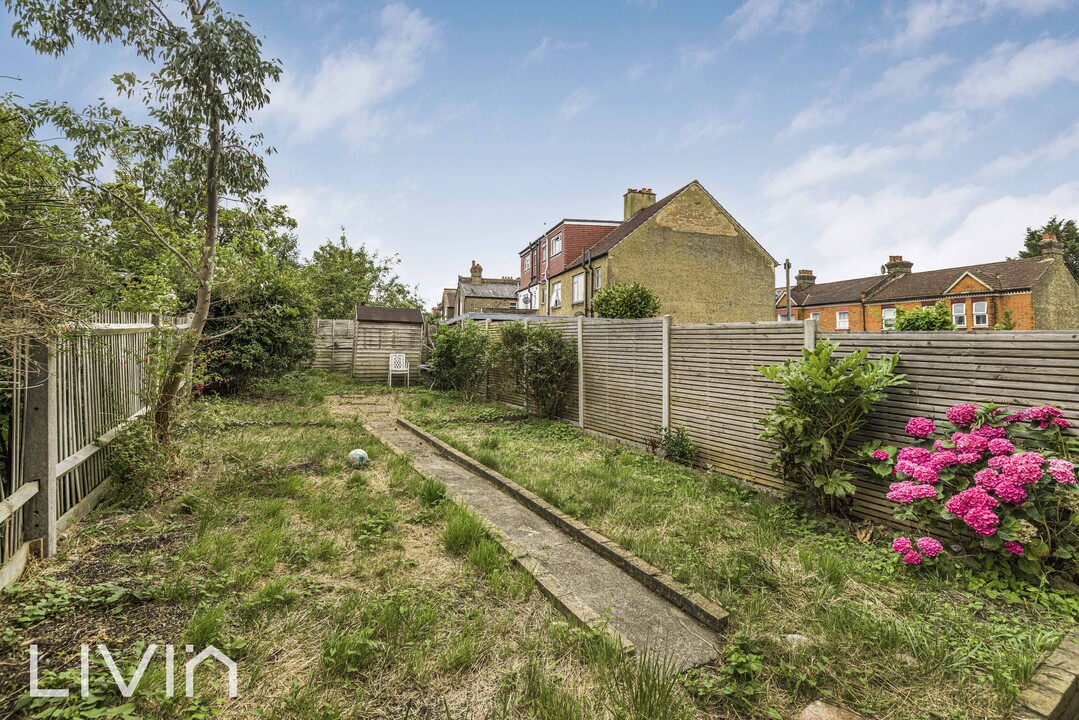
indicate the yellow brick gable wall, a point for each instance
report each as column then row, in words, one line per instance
column 1056, row 299
column 695, row 258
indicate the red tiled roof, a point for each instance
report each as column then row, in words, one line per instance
column 999, row 276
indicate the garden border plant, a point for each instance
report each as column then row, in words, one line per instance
column 541, row 364
column 1004, row 482
column 825, row 402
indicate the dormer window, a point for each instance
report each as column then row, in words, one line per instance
column 528, row 262
column 556, row 244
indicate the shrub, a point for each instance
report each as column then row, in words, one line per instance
column 461, row 358
column 541, row 364
column 1007, row 321
column 675, row 445
column 631, row 300
column 1005, row 481
column 138, row 465
column 935, row 317
column 264, row 328
column 825, row 401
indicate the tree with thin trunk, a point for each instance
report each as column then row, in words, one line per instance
column 208, row 78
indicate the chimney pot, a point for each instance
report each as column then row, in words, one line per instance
column 805, row 278
column 1050, row 244
column 636, row 200
column 897, row 266
column 476, row 271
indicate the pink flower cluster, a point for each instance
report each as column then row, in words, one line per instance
column 920, row 427
column 1062, row 471
column 1044, row 415
column 906, row 492
column 1013, row 547
column 880, row 455
column 974, row 506
column 970, row 444
column 963, row 415
column 926, row 545
column 1001, row 446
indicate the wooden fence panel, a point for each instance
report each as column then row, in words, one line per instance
column 568, row 329
column 500, row 387
column 1018, row 369
column 718, row 394
column 623, row 377
column 375, row 341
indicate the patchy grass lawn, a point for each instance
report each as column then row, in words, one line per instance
column 938, row 642
column 341, row 593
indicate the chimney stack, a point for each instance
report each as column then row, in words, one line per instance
column 805, row 278
column 476, row 271
column 897, row 266
column 1050, row 244
column 636, row 200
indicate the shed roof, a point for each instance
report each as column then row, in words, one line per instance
column 488, row 288
column 371, row 313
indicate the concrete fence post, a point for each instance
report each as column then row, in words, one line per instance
column 580, row 371
column 666, row 409
column 810, row 334
column 40, row 447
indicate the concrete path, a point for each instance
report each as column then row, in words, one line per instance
column 583, row 583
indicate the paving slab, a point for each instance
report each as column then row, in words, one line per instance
column 581, row 582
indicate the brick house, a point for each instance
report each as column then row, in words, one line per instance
column 448, row 307
column 1039, row 292
column 476, row 293
column 703, row 265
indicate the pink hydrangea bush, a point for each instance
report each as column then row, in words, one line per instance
column 1005, row 481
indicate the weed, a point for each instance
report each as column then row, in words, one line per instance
column 463, row 531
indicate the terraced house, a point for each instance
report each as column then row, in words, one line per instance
column 1037, row 293
column 703, row 265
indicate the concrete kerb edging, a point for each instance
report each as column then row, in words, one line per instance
column 568, row 603
column 691, row 602
column 1053, row 693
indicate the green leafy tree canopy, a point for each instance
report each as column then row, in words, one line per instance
column 933, row 317
column 627, row 301
column 1067, row 235
column 342, row 276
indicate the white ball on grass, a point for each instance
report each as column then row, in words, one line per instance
column 357, row 458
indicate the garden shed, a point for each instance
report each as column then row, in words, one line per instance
column 380, row 332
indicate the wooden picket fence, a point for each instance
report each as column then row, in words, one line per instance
column 70, row 398
column 636, row 376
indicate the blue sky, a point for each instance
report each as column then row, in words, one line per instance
column 837, row 132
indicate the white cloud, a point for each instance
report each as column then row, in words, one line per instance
column 851, row 235
column 349, row 91
column 935, row 131
column 575, row 103
column 829, row 163
column 1062, row 147
column 548, row 47
column 694, row 57
column 908, row 79
column 924, row 19
column 769, row 17
column 707, row 128
column 1010, row 71
column 638, row 70
column 819, row 114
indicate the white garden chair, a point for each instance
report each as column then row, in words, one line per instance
column 398, row 366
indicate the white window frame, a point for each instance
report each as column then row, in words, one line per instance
column 556, row 242
column 598, row 283
column 981, row 317
column 888, row 320
column 959, row 319
column 556, row 294
column 577, row 285
column 845, row 319
column 814, row 316
column 528, row 262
